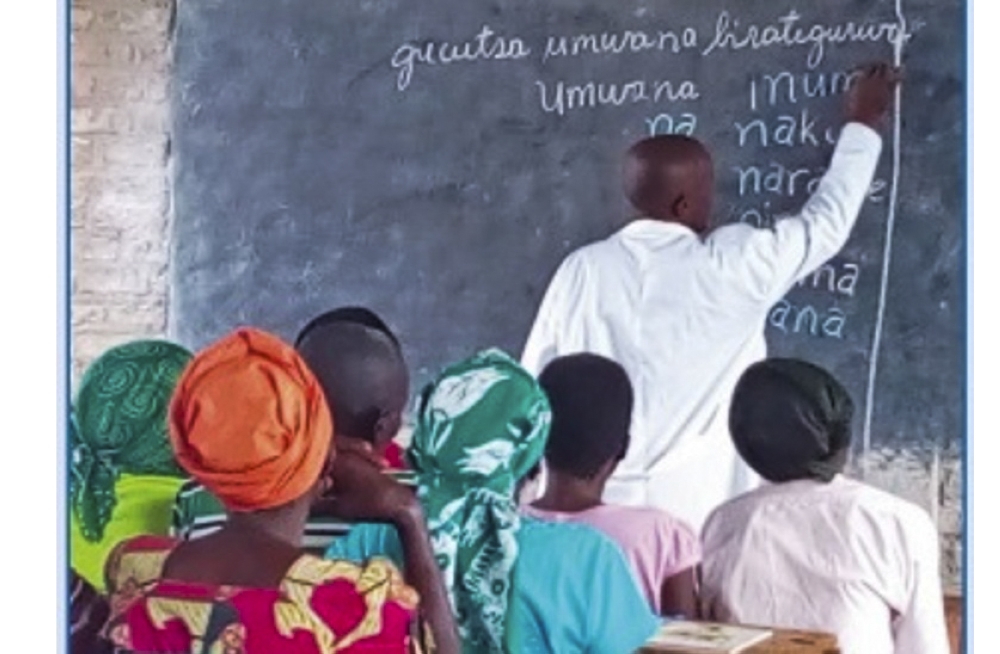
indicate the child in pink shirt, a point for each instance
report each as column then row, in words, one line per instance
column 591, row 399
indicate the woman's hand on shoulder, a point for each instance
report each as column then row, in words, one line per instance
column 362, row 491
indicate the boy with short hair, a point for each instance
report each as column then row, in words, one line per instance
column 592, row 399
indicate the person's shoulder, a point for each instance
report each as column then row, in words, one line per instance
column 551, row 540
column 649, row 517
column 140, row 559
column 745, row 502
column 732, row 235
column 595, row 252
column 910, row 517
column 309, row 568
column 578, row 260
column 736, row 514
column 537, row 529
column 145, row 544
column 646, row 513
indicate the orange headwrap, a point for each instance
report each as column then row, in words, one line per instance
column 249, row 421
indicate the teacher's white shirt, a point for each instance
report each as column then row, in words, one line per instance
column 843, row 557
column 685, row 316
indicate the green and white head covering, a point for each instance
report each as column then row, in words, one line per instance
column 118, row 424
column 481, row 426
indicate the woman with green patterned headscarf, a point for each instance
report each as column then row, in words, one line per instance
column 516, row 584
column 123, row 477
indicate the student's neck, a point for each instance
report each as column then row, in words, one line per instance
column 283, row 524
column 568, row 494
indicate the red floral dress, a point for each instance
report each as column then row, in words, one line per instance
column 321, row 607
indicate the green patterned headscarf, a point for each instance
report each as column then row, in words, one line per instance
column 118, row 424
column 481, row 426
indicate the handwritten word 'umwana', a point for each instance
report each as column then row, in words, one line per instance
column 792, row 319
column 788, row 88
column 485, row 45
column 787, row 32
column 617, row 43
column 562, row 98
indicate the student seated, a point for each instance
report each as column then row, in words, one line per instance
column 814, row 549
column 249, row 421
column 592, row 401
column 376, row 403
column 360, row 367
column 516, row 584
column 123, row 477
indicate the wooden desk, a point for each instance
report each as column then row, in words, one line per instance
column 953, row 618
column 786, row 641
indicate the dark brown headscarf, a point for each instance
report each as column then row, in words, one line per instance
column 791, row 420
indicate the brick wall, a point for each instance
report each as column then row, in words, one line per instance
column 119, row 228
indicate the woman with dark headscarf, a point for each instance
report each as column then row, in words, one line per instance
column 814, row 549
column 123, row 476
column 517, row 584
column 249, row 421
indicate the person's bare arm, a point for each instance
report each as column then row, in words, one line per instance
column 423, row 573
column 679, row 595
column 361, row 491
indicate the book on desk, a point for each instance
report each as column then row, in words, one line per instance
column 682, row 637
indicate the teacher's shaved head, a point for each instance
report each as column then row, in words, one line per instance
column 670, row 178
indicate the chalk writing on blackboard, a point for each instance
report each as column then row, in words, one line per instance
column 786, row 31
column 798, row 126
column 666, row 124
column 561, row 97
column 331, row 153
column 730, row 34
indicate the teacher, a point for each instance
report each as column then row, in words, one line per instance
column 682, row 306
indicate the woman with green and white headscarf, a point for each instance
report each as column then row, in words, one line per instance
column 516, row 584
column 123, row 477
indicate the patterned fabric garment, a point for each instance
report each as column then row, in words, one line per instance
column 572, row 593
column 481, row 426
column 88, row 611
column 321, row 607
column 143, row 507
column 118, row 424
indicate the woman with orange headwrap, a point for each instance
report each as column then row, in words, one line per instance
column 249, row 421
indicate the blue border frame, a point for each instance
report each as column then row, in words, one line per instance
column 64, row 328
column 965, row 637
column 63, row 346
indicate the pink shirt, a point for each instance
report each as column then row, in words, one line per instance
column 842, row 557
column 656, row 544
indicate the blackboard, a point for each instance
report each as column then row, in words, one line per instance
column 437, row 160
